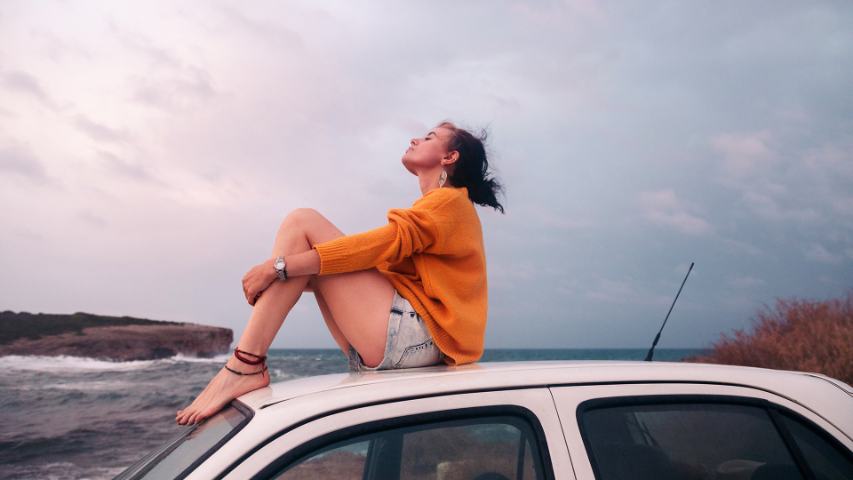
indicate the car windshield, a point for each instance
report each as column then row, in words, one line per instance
column 175, row 457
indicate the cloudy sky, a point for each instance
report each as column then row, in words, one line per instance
column 149, row 150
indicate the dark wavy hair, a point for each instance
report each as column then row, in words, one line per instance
column 471, row 169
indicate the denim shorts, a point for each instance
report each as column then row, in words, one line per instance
column 408, row 343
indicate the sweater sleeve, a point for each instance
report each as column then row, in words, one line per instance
column 409, row 231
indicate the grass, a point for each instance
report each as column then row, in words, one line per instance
column 28, row 325
column 806, row 335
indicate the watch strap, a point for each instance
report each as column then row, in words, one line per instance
column 281, row 272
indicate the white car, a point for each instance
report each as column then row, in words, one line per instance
column 526, row 420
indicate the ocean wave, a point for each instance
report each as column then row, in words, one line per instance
column 59, row 471
column 278, row 375
column 97, row 385
column 60, row 363
column 183, row 358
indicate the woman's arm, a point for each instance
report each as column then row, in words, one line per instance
column 259, row 277
column 408, row 231
column 299, row 264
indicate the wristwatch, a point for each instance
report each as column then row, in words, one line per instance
column 280, row 268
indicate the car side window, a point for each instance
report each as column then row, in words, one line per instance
column 484, row 448
column 493, row 450
column 344, row 460
column 826, row 460
column 685, row 441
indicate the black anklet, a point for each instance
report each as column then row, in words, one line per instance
column 241, row 373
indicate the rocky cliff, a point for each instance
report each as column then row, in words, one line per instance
column 112, row 338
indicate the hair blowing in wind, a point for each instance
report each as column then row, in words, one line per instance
column 472, row 168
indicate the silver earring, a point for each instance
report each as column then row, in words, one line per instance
column 442, row 178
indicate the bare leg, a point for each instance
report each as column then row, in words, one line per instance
column 339, row 337
column 361, row 300
column 359, row 304
column 355, row 305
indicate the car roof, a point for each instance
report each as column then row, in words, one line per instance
column 814, row 391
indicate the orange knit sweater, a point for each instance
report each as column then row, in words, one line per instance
column 433, row 255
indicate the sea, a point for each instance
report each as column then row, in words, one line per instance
column 83, row 418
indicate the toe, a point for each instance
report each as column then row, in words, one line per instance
column 206, row 412
column 192, row 418
column 202, row 413
column 183, row 418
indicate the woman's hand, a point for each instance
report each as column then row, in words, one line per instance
column 257, row 279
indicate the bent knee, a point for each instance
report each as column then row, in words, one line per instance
column 301, row 216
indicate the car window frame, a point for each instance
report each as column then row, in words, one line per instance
column 308, row 417
column 156, row 456
column 517, row 412
column 815, row 429
column 774, row 411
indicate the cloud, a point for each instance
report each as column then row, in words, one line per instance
column 59, row 48
column 827, row 170
column 744, row 154
column 843, row 205
column 819, row 253
column 23, row 82
column 93, row 219
column 551, row 13
column 26, row 84
column 172, row 81
column 20, row 161
column 551, row 220
column 277, row 35
column 805, row 185
column 174, row 92
column 740, row 246
column 745, row 281
column 98, row 132
column 126, row 169
column 768, row 208
column 831, row 159
column 662, row 207
column 158, row 56
column 623, row 292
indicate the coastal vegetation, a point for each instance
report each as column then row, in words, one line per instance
column 108, row 338
column 14, row 326
column 798, row 334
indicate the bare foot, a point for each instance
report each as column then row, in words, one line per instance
column 223, row 388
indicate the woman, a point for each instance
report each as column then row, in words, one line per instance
column 426, row 267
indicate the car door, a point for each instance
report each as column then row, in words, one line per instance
column 492, row 435
column 696, row 431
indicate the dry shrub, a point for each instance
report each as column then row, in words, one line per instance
column 805, row 335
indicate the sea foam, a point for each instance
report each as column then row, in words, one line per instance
column 64, row 363
column 60, row 363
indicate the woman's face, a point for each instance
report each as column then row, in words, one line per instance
column 426, row 153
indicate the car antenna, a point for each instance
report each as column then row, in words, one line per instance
column 657, row 337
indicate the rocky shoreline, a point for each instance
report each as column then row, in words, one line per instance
column 108, row 338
